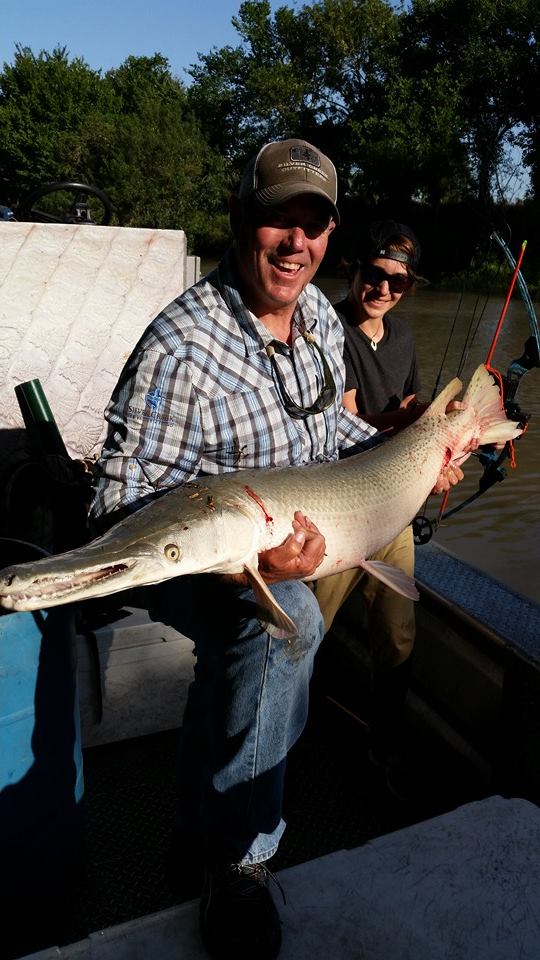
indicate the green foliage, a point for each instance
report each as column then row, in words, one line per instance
column 154, row 161
column 160, row 172
column 488, row 48
column 43, row 99
column 334, row 72
column 144, row 79
column 418, row 100
column 314, row 72
column 130, row 132
column 416, row 103
column 488, row 277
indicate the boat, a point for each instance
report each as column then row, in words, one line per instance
column 450, row 872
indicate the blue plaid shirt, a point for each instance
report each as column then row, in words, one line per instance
column 198, row 395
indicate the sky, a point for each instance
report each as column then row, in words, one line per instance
column 105, row 32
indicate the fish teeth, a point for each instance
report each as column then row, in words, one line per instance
column 50, row 588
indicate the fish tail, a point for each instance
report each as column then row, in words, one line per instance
column 450, row 392
column 484, row 397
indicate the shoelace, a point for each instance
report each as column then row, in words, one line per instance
column 257, row 873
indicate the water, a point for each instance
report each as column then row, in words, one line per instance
column 500, row 532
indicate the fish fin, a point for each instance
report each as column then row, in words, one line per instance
column 441, row 401
column 392, row 577
column 275, row 620
column 483, row 395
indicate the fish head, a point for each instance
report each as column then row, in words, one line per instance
column 175, row 535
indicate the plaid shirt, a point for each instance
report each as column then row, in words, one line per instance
column 198, row 395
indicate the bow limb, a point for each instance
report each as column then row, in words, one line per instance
column 530, row 357
column 491, row 459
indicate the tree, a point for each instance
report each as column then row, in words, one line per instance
column 131, row 132
column 528, row 136
column 485, row 48
column 43, row 99
column 333, row 72
column 254, row 92
column 153, row 159
column 423, row 101
column 160, row 172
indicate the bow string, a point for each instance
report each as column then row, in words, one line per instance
column 490, row 458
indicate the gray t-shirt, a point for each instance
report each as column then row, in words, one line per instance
column 381, row 377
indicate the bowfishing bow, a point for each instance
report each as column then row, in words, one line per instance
column 490, row 458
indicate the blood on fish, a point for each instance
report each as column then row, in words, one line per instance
column 251, row 493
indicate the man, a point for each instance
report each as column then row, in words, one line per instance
column 244, row 369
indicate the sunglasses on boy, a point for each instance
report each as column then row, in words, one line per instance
column 375, row 276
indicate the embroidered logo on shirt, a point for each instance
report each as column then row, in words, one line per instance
column 154, row 398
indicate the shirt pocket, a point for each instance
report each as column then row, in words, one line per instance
column 248, row 429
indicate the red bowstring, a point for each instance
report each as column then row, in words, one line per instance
column 504, row 310
column 493, row 370
column 496, row 373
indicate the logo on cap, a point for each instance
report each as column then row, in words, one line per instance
column 305, row 155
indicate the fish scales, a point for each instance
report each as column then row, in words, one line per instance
column 221, row 523
column 360, row 503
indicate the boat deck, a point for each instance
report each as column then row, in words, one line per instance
column 412, row 895
column 334, row 801
column 507, row 615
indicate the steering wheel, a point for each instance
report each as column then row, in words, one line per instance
column 79, row 212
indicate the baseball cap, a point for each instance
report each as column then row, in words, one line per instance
column 381, row 235
column 284, row 169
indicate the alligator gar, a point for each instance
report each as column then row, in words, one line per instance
column 219, row 524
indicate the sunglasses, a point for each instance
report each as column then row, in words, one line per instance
column 375, row 276
column 326, row 396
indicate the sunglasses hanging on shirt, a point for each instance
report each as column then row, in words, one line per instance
column 326, row 396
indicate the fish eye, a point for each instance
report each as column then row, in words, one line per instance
column 172, row 552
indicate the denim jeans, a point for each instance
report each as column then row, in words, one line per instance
column 246, row 708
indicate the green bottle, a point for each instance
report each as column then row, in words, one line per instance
column 43, row 434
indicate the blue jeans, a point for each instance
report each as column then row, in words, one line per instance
column 246, row 708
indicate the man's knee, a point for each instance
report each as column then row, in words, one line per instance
column 300, row 603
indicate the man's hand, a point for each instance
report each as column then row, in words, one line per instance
column 451, row 474
column 448, row 477
column 298, row 556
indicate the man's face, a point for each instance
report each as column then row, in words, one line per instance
column 281, row 252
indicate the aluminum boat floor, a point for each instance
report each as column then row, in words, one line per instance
column 462, row 885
